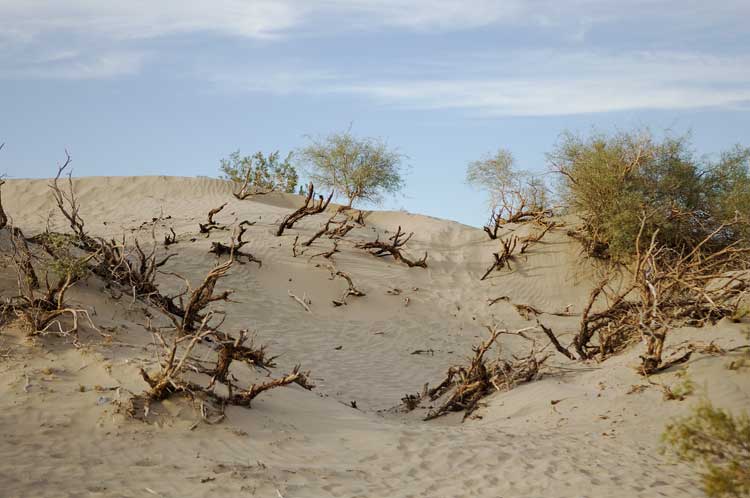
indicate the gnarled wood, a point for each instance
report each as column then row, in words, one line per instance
column 394, row 248
column 307, row 209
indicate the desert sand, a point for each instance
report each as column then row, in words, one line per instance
column 582, row 430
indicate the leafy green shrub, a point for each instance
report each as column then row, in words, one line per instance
column 264, row 173
column 358, row 168
column 719, row 443
column 613, row 181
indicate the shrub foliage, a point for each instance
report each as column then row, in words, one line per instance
column 612, row 181
column 358, row 168
column 720, row 443
column 264, row 173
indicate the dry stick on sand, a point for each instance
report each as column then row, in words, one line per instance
column 245, row 397
column 237, row 243
column 340, row 231
column 170, row 239
column 351, row 289
column 394, row 248
column 211, row 224
column 527, row 241
column 302, row 301
column 306, row 209
column 327, row 254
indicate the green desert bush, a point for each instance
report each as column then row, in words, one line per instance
column 613, row 181
column 513, row 193
column 719, row 443
column 264, row 173
column 358, row 168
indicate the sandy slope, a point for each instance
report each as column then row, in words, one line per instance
column 60, row 439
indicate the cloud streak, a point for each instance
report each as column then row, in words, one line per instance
column 533, row 83
column 263, row 19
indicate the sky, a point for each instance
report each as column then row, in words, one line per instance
column 169, row 87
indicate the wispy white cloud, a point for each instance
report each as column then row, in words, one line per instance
column 269, row 18
column 147, row 18
column 533, row 83
column 72, row 65
column 89, row 39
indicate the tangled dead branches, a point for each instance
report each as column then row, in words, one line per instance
column 177, row 359
column 191, row 314
column 234, row 248
column 465, row 386
column 668, row 289
column 307, row 209
column 514, row 208
column 129, row 266
column 41, row 312
column 394, row 248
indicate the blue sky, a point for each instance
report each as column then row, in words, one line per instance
column 169, row 87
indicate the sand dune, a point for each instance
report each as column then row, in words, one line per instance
column 62, row 435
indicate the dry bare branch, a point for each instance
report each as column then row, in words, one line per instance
column 351, row 289
column 307, row 209
column 394, row 248
column 210, row 223
column 467, row 385
column 502, row 259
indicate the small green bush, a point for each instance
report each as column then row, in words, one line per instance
column 613, row 181
column 266, row 173
column 719, row 443
column 359, row 168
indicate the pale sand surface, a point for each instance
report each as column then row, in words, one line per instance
column 599, row 441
